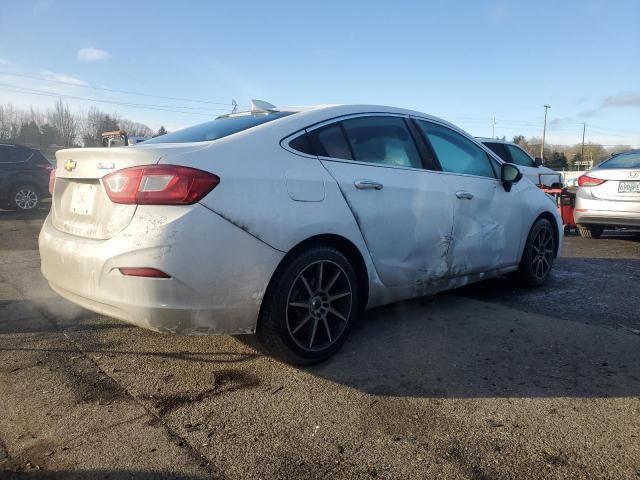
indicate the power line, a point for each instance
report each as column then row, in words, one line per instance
column 125, row 104
column 34, row 90
column 126, row 92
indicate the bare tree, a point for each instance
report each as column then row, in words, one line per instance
column 95, row 123
column 64, row 122
column 135, row 129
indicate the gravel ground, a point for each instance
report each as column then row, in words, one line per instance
column 487, row 382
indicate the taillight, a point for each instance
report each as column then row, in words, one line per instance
column 587, row 181
column 159, row 185
column 52, row 180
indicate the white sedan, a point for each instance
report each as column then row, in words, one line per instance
column 287, row 222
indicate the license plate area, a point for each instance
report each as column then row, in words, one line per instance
column 629, row 187
column 83, row 198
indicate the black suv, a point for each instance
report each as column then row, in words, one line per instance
column 24, row 177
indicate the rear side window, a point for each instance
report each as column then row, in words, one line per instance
column 330, row 142
column 11, row 154
column 218, row 128
column 382, row 140
column 500, row 150
column 456, row 153
column 302, row 144
column 519, row 157
column 623, row 160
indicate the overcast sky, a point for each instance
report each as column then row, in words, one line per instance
column 466, row 61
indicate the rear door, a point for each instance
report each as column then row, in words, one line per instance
column 404, row 212
column 487, row 219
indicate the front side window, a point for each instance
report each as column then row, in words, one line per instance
column 382, row 140
column 456, row 153
column 623, row 160
column 218, row 128
column 519, row 157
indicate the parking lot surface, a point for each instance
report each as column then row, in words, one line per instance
column 487, row 382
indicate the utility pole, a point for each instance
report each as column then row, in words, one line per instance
column 493, row 128
column 544, row 132
column 584, row 127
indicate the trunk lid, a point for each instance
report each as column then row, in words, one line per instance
column 621, row 184
column 80, row 205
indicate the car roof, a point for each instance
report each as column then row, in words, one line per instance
column 307, row 116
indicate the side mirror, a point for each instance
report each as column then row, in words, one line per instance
column 509, row 174
column 537, row 162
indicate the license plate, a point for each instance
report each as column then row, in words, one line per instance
column 629, row 187
column 83, row 198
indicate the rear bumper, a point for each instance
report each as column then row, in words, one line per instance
column 594, row 211
column 218, row 272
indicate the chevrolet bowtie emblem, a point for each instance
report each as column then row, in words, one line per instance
column 70, row 165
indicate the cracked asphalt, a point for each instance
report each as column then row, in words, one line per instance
column 487, row 382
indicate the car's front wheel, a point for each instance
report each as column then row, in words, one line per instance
column 24, row 198
column 309, row 307
column 538, row 255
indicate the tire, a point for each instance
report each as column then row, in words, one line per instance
column 24, row 198
column 538, row 255
column 310, row 306
column 590, row 231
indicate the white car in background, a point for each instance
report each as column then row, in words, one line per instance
column 286, row 222
column 609, row 195
column 530, row 167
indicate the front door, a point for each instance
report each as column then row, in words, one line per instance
column 487, row 225
column 404, row 212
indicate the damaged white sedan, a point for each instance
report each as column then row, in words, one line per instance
column 287, row 222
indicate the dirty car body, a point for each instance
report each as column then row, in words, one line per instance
column 413, row 203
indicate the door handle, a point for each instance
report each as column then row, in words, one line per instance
column 462, row 195
column 367, row 184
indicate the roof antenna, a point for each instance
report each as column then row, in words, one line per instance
column 234, row 104
column 261, row 106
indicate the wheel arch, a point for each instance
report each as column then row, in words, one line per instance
column 554, row 223
column 344, row 246
column 23, row 181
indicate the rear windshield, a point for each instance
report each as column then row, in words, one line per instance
column 218, row 128
column 624, row 160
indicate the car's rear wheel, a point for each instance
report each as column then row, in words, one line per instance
column 24, row 198
column 309, row 307
column 538, row 255
column 590, row 231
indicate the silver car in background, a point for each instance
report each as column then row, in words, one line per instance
column 609, row 195
column 531, row 168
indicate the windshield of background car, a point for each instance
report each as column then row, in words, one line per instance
column 218, row 128
column 624, row 160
